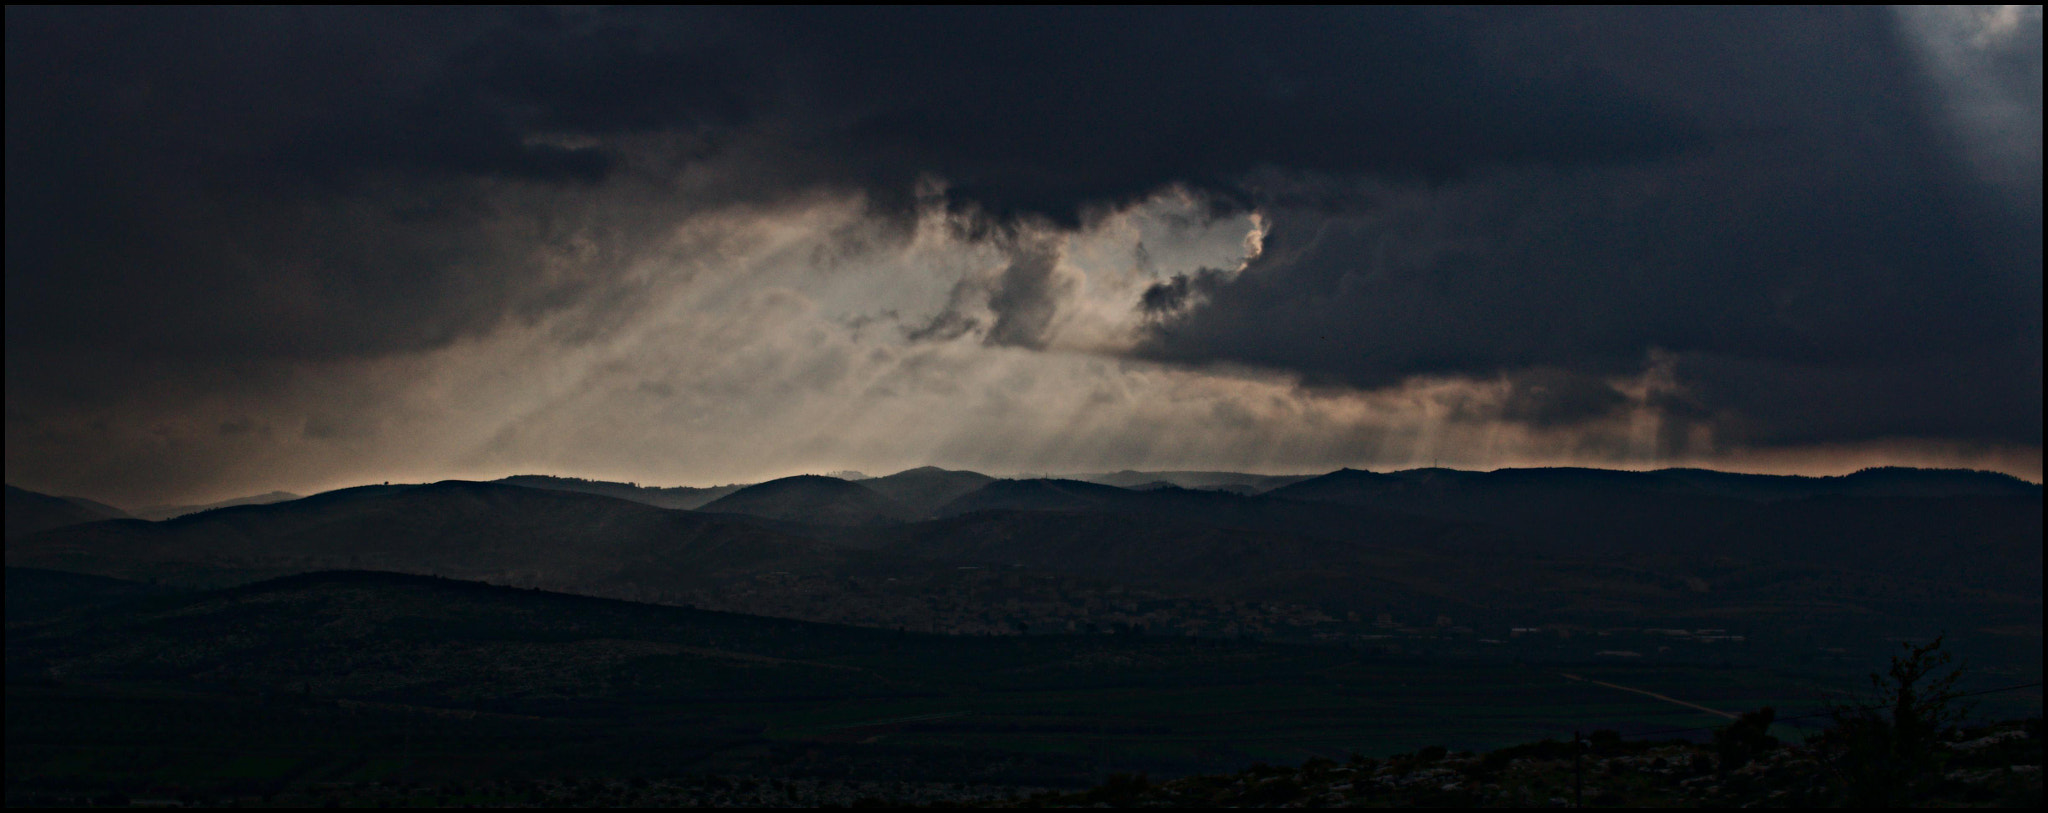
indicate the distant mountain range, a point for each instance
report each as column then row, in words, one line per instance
column 491, row 531
column 924, row 492
column 28, row 511
column 929, row 491
column 160, row 512
column 1875, row 482
column 1210, row 480
column 683, row 497
column 915, row 494
column 1885, row 543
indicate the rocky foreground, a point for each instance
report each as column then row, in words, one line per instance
column 1994, row 766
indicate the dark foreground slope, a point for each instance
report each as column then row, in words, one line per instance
column 1994, row 765
column 281, row 686
column 445, row 642
column 1533, row 542
column 38, row 595
column 1967, row 531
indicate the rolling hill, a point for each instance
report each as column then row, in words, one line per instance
column 1038, row 495
column 29, row 511
column 501, row 533
column 1356, row 486
column 162, row 512
column 814, row 499
column 1593, row 547
column 924, row 490
column 1655, row 517
column 1876, row 482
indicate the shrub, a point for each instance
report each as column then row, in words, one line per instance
column 1745, row 739
column 1885, row 753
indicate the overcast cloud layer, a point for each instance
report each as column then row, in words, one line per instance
column 286, row 248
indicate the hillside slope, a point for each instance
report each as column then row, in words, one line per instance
column 501, row 533
column 29, row 511
column 163, row 512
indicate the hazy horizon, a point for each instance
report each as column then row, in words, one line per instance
column 1012, row 475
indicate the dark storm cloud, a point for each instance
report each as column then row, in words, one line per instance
column 1021, row 299
column 1558, row 398
column 1541, row 195
column 1026, row 296
column 1181, row 291
column 1028, row 112
column 1823, row 271
column 309, row 183
column 317, row 182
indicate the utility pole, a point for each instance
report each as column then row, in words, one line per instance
column 1578, row 771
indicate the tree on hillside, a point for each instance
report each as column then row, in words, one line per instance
column 1883, row 752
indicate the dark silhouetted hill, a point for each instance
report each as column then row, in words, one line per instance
column 29, row 511
column 1611, row 547
column 680, row 497
column 1038, row 495
column 814, row 499
column 466, row 645
column 1125, row 547
column 1218, row 480
column 1514, row 537
column 924, row 490
column 1161, row 551
column 488, row 531
column 97, row 507
column 1224, row 509
column 1876, row 482
column 1355, row 486
column 1648, row 517
column 162, row 512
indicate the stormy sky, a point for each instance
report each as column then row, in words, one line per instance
column 258, row 249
